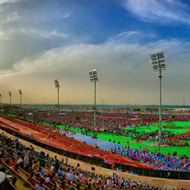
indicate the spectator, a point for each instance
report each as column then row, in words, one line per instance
column 37, row 177
column 40, row 185
column 41, row 158
column 31, row 180
column 17, row 144
column 26, row 159
column 35, row 166
column 56, row 165
column 67, row 161
column 14, row 182
column 52, row 179
column 70, row 176
column 16, row 168
column 62, row 186
column 47, row 183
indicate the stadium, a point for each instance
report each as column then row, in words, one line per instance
column 128, row 148
column 94, row 95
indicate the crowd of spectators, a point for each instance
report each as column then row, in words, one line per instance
column 161, row 161
column 53, row 173
column 185, row 137
column 108, row 121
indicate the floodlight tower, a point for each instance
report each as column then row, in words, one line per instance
column 0, row 99
column 20, row 93
column 10, row 95
column 94, row 78
column 57, row 86
column 159, row 65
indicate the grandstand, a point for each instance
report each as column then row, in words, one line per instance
column 68, row 166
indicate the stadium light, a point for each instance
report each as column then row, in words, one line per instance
column 57, row 86
column 20, row 93
column 10, row 95
column 0, row 99
column 159, row 65
column 94, row 78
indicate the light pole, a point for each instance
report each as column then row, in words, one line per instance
column 94, row 78
column 0, row 99
column 20, row 93
column 158, row 63
column 57, row 86
column 10, row 95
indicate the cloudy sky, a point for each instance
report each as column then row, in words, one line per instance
column 43, row 40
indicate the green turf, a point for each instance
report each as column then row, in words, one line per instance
column 181, row 124
column 132, row 142
column 148, row 129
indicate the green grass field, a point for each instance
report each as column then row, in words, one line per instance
column 144, row 144
column 141, row 130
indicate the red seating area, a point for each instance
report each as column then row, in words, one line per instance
column 41, row 133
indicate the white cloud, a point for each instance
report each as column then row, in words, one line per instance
column 10, row 34
column 13, row 17
column 131, row 37
column 41, row 33
column 159, row 10
column 132, row 55
column 8, row 1
column 4, row 36
column 124, row 70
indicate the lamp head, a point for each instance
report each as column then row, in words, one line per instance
column 56, row 83
column 93, row 75
column 20, row 91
